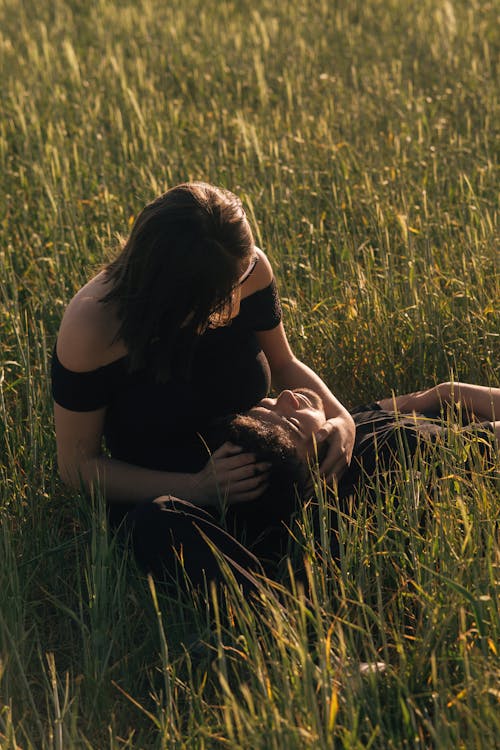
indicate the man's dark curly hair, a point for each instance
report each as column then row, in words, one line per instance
column 261, row 524
column 269, row 442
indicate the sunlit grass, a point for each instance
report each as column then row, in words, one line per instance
column 363, row 139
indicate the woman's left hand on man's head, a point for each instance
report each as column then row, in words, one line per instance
column 339, row 432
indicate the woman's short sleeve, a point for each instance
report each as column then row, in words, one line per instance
column 262, row 310
column 84, row 391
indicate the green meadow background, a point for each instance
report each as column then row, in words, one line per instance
column 363, row 138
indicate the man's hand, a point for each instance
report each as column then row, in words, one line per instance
column 339, row 433
column 231, row 474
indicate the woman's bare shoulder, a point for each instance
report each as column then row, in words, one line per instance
column 261, row 277
column 87, row 336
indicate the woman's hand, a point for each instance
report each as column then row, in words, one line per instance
column 339, row 432
column 231, row 475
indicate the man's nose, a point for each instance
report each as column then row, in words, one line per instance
column 287, row 402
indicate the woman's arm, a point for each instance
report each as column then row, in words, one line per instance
column 81, row 462
column 289, row 372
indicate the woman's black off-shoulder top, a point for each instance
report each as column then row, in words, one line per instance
column 158, row 424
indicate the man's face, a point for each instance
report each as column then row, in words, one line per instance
column 299, row 411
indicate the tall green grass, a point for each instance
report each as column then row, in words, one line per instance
column 363, row 139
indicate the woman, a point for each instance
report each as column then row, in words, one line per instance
column 182, row 327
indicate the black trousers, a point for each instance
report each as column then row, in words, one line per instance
column 185, row 546
column 384, row 439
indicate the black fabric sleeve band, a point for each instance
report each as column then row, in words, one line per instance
column 84, row 391
column 263, row 308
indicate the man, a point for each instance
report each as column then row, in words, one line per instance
column 282, row 432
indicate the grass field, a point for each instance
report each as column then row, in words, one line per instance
column 363, row 137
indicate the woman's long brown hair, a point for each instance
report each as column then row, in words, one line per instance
column 179, row 264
